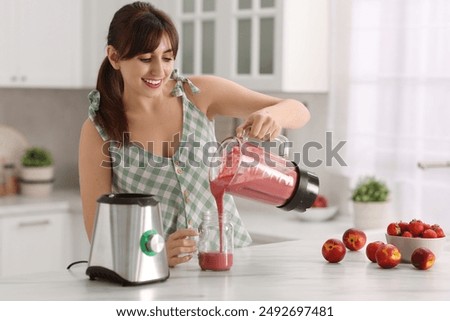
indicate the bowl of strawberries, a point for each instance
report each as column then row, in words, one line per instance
column 409, row 236
column 320, row 211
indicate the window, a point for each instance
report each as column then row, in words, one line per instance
column 390, row 98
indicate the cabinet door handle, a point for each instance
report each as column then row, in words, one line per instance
column 34, row 223
column 427, row 165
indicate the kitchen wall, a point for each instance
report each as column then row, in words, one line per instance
column 49, row 118
column 52, row 118
column 310, row 144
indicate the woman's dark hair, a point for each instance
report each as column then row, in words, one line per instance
column 135, row 29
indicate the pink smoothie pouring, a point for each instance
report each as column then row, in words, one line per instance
column 248, row 171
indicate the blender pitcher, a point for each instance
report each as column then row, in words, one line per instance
column 243, row 168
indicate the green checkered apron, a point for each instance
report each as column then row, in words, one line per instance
column 181, row 182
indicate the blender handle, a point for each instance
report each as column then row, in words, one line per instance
column 281, row 139
column 284, row 146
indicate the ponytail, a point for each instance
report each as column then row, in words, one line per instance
column 111, row 114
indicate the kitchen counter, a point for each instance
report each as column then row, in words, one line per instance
column 291, row 270
column 284, row 264
column 267, row 223
column 64, row 200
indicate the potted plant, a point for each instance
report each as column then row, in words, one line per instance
column 37, row 172
column 371, row 205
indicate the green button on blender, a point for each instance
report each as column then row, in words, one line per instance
column 151, row 243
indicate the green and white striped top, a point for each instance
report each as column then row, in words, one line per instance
column 181, row 182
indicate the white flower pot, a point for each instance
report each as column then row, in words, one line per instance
column 36, row 181
column 371, row 215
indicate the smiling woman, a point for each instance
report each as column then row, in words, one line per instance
column 135, row 70
column 143, row 107
column 137, row 34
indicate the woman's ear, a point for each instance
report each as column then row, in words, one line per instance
column 113, row 57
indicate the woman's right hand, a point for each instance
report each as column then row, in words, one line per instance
column 180, row 246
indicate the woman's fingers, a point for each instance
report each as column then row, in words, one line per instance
column 260, row 125
column 175, row 260
column 180, row 246
column 183, row 233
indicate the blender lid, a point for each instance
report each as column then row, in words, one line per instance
column 128, row 199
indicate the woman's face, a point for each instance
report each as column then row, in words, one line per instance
column 147, row 74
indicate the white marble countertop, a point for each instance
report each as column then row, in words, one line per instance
column 292, row 268
column 270, row 223
column 63, row 200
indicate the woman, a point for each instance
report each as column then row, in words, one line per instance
column 144, row 116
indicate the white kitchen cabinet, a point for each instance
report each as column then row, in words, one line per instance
column 7, row 48
column 53, row 44
column 34, row 241
column 96, row 17
column 288, row 46
column 39, row 41
column 197, row 22
column 79, row 240
column 273, row 45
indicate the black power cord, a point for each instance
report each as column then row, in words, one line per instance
column 76, row 262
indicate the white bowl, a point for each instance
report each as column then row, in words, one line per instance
column 407, row 245
column 317, row 214
column 36, row 189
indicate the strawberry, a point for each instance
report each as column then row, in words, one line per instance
column 416, row 227
column 404, row 226
column 407, row 234
column 429, row 234
column 394, row 229
column 320, row 201
column 439, row 231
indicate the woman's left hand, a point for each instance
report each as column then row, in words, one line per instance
column 261, row 125
column 180, row 246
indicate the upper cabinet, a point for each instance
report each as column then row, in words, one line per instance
column 271, row 45
column 197, row 23
column 268, row 45
column 38, row 41
column 93, row 33
column 53, row 44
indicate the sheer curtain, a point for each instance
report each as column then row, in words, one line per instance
column 390, row 98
